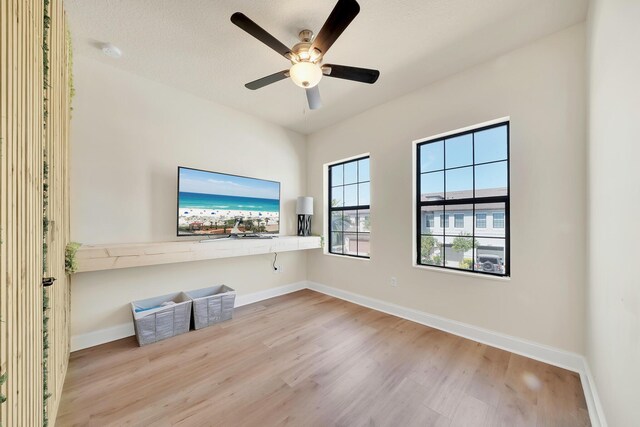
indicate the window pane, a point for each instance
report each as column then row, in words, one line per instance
column 336, row 243
column 491, row 179
column 428, row 215
column 351, row 172
column 364, row 221
column 363, row 170
column 351, row 243
column 337, row 197
column 462, row 221
column 336, row 175
column 350, row 220
column 458, row 220
column 459, row 151
column 445, row 221
column 491, row 211
column 337, row 223
column 481, row 220
column 363, row 244
column 363, row 194
column 351, row 195
column 431, row 250
column 459, row 252
column 432, row 156
column 491, row 145
column 490, row 256
column 432, row 186
column 459, row 183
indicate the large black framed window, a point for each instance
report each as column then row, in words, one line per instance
column 349, row 208
column 464, row 175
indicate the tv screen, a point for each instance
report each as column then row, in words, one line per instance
column 212, row 203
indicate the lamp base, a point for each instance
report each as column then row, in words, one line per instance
column 304, row 225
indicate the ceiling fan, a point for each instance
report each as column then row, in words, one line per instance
column 306, row 56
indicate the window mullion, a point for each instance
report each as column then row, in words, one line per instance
column 473, row 217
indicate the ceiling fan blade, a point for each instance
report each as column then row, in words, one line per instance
column 275, row 77
column 313, row 98
column 363, row 75
column 341, row 16
column 258, row 32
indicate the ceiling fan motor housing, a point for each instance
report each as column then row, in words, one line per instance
column 305, row 35
column 302, row 51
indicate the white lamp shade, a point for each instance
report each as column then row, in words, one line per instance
column 304, row 206
column 305, row 74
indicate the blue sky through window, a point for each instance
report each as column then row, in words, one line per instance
column 493, row 175
column 351, row 173
column 363, row 170
column 460, row 179
column 432, row 156
column 490, row 145
column 459, row 151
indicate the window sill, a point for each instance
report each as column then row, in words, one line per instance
column 464, row 273
column 346, row 256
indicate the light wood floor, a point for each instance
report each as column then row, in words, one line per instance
column 307, row 359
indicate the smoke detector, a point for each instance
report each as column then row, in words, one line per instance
column 111, row 51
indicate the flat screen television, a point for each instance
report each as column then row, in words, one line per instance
column 220, row 204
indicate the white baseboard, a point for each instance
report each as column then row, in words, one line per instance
column 553, row 356
column 596, row 412
column 544, row 353
column 269, row 293
column 541, row 352
column 91, row 339
column 101, row 336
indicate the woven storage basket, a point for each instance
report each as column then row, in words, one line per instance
column 212, row 305
column 158, row 322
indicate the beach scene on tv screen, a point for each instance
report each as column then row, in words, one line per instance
column 215, row 203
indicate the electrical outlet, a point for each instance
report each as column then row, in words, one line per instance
column 277, row 269
column 393, row 282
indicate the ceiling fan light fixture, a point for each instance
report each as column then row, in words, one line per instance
column 307, row 55
column 305, row 74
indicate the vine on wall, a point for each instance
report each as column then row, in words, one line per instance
column 70, row 262
column 72, row 88
column 45, row 216
column 3, row 379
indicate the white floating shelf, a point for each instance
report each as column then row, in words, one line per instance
column 114, row 256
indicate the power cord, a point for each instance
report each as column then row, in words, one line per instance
column 275, row 258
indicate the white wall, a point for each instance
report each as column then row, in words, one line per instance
column 613, row 310
column 542, row 88
column 129, row 134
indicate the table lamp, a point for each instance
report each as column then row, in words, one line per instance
column 304, row 209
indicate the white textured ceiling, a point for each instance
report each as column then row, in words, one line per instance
column 193, row 46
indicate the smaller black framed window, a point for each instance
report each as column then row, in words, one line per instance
column 458, row 220
column 444, row 221
column 350, row 208
column 498, row 220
